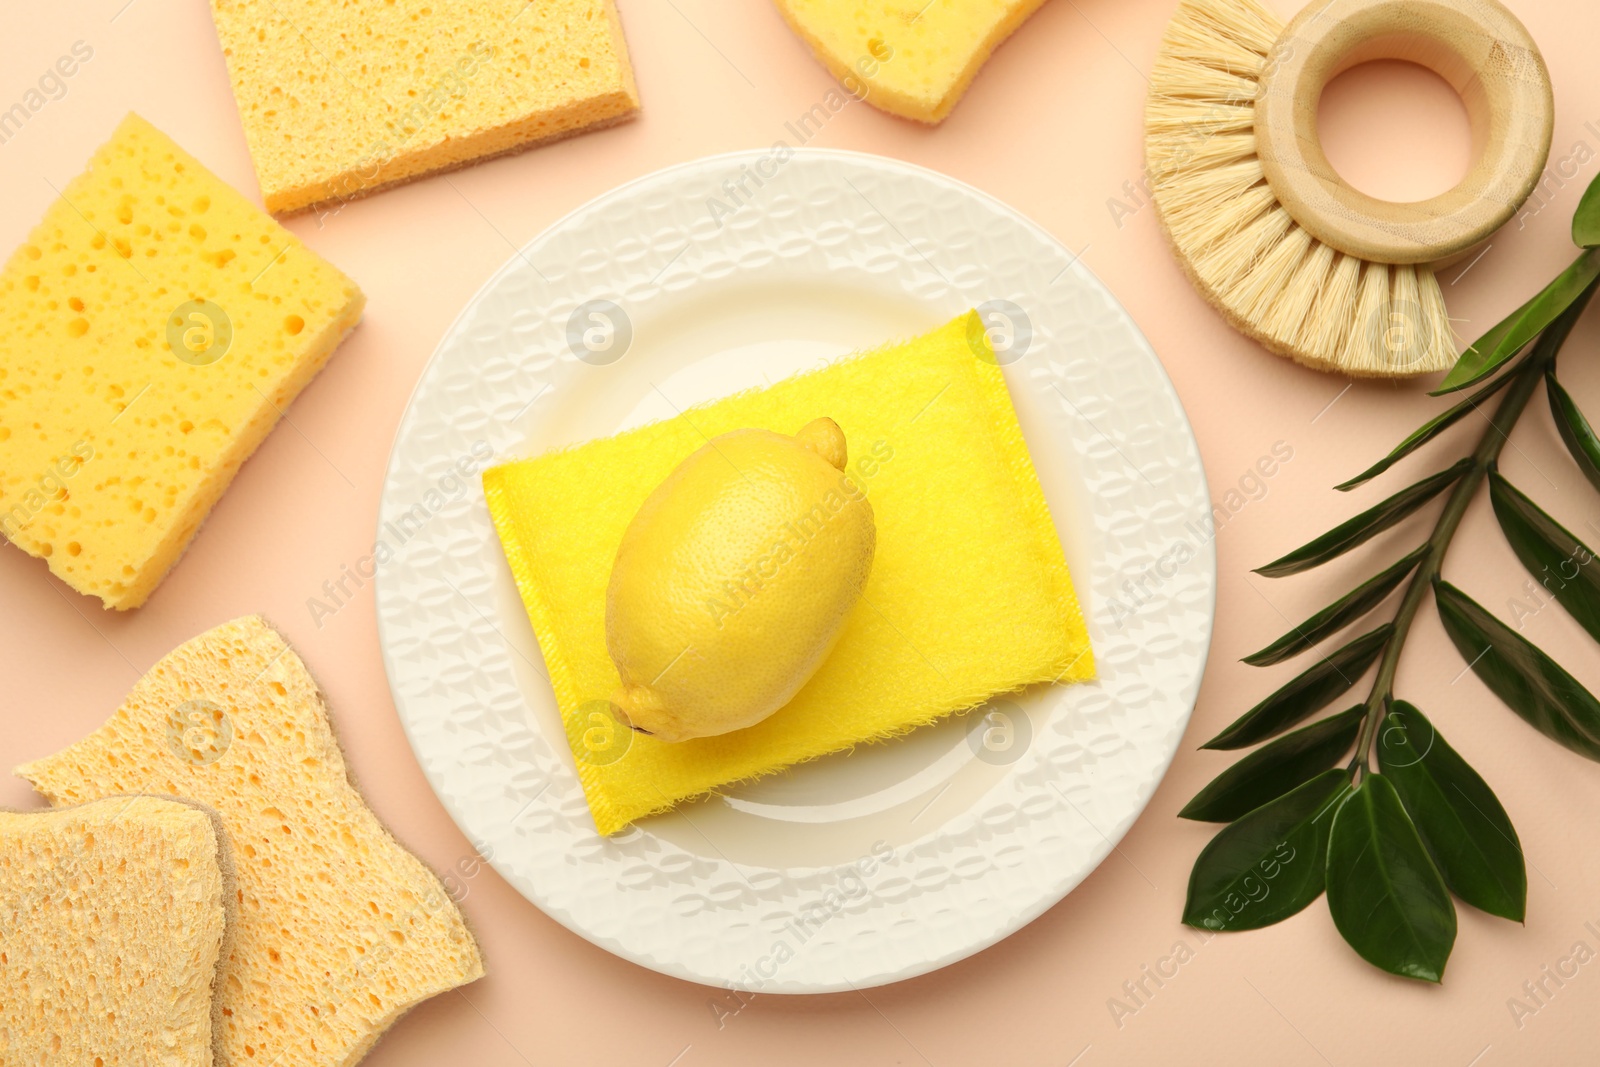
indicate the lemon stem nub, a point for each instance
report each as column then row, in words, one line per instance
column 636, row 706
column 824, row 437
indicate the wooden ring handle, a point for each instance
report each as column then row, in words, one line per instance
column 1487, row 57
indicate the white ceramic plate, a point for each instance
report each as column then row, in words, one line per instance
column 854, row 870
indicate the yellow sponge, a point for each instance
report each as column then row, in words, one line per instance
column 339, row 99
column 969, row 594
column 152, row 329
column 340, row 930
column 913, row 58
column 113, row 920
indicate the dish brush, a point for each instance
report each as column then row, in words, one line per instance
column 1286, row 250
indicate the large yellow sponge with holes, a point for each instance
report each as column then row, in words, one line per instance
column 152, row 330
column 113, row 926
column 912, row 58
column 340, row 929
column 339, row 99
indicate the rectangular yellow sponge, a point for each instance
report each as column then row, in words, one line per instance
column 912, row 58
column 113, row 917
column 968, row 597
column 339, row 99
column 152, row 329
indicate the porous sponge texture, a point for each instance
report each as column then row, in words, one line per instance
column 123, row 417
column 112, row 922
column 340, row 929
column 911, row 58
column 339, row 99
column 968, row 596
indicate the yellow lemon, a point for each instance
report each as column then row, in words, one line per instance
column 734, row 580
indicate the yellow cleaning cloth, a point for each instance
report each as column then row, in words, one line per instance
column 969, row 594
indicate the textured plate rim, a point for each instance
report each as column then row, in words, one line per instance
column 1201, row 581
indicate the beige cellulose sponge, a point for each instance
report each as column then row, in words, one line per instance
column 152, row 330
column 912, row 58
column 340, row 99
column 340, row 929
column 113, row 921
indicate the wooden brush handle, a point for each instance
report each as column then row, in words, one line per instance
column 1480, row 49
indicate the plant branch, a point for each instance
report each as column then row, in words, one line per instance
column 1526, row 377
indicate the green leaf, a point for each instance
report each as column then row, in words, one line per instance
column 1427, row 432
column 1268, row 865
column 1275, row 769
column 1385, row 894
column 1336, row 616
column 1586, row 222
column 1529, row 682
column 1376, row 519
column 1468, row 834
column 1575, row 429
column 1512, row 334
column 1558, row 561
column 1308, row 692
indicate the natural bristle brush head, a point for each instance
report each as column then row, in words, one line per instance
column 1286, row 250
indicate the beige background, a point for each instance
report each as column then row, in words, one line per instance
column 1052, row 127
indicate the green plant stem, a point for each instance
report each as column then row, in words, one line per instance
column 1484, row 456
